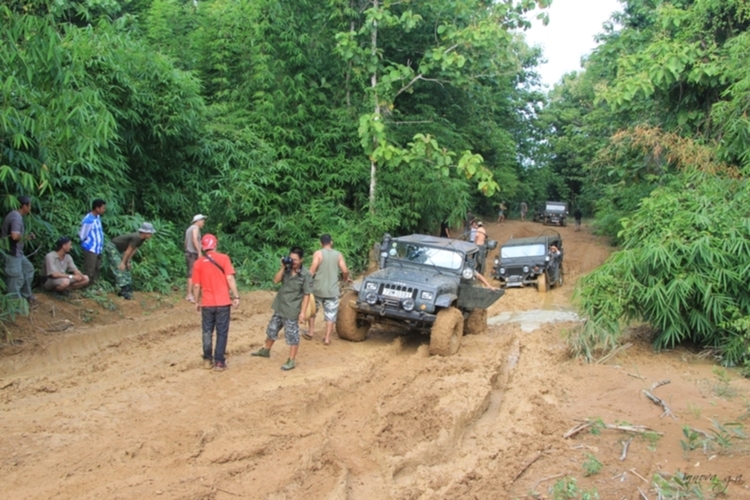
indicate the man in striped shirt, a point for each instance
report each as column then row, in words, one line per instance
column 92, row 240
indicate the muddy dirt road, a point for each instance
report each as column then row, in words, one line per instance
column 125, row 410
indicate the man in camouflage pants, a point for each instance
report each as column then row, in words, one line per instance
column 120, row 253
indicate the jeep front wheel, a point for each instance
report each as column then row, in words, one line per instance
column 348, row 326
column 542, row 285
column 476, row 323
column 446, row 333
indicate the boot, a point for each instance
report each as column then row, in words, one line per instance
column 126, row 292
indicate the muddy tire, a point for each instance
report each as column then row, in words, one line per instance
column 446, row 333
column 542, row 284
column 348, row 327
column 476, row 323
column 559, row 281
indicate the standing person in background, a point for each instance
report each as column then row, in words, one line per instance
column 467, row 222
column 524, row 208
column 213, row 281
column 578, row 216
column 501, row 208
column 193, row 250
column 19, row 273
column 120, row 253
column 480, row 240
column 91, row 235
column 473, row 231
column 289, row 306
column 445, row 230
column 60, row 271
column 326, row 264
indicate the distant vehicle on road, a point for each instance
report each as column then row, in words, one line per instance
column 555, row 212
column 530, row 261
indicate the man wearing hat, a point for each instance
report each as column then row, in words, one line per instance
column 120, row 253
column 213, row 281
column 193, row 250
column 59, row 270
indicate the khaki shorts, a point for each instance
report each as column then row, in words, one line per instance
column 190, row 259
column 52, row 283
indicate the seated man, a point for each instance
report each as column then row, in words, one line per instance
column 62, row 274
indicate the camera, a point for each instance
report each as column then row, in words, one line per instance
column 287, row 261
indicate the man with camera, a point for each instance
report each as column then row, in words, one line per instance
column 325, row 267
column 289, row 306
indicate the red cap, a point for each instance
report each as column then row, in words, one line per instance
column 208, row 242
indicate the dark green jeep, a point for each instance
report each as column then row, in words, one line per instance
column 424, row 283
column 530, row 261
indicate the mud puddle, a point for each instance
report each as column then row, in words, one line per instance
column 534, row 319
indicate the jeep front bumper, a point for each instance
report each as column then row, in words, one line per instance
column 387, row 311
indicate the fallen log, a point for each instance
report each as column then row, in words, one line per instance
column 657, row 400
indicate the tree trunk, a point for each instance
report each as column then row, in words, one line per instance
column 374, row 83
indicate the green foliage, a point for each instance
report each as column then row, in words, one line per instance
column 682, row 267
column 677, row 487
column 567, row 489
column 591, row 465
column 723, row 387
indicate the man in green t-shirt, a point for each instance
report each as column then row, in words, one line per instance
column 289, row 306
column 120, row 251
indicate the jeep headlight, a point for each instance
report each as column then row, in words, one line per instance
column 468, row 273
column 502, row 270
column 547, row 258
column 497, row 261
column 371, row 298
column 526, row 269
column 371, row 285
column 408, row 304
column 427, row 295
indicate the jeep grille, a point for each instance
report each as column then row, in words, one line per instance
column 397, row 291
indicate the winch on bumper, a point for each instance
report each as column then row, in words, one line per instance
column 394, row 309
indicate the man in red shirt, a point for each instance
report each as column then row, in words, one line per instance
column 213, row 279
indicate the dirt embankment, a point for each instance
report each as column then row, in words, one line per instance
column 124, row 409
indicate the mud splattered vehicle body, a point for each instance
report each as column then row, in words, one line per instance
column 423, row 283
column 529, row 261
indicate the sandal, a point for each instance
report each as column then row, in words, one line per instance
column 326, row 342
column 306, row 335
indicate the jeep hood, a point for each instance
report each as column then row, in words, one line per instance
column 419, row 278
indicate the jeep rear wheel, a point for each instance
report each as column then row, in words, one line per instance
column 542, row 284
column 446, row 333
column 348, row 327
column 476, row 323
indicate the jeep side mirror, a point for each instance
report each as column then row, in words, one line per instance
column 491, row 244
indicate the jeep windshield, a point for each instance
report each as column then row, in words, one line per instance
column 514, row 252
column 554, row 207
column 420, row 254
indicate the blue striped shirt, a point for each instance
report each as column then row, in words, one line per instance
column 92, row 234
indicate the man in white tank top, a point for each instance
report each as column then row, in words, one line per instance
column 193, row 250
